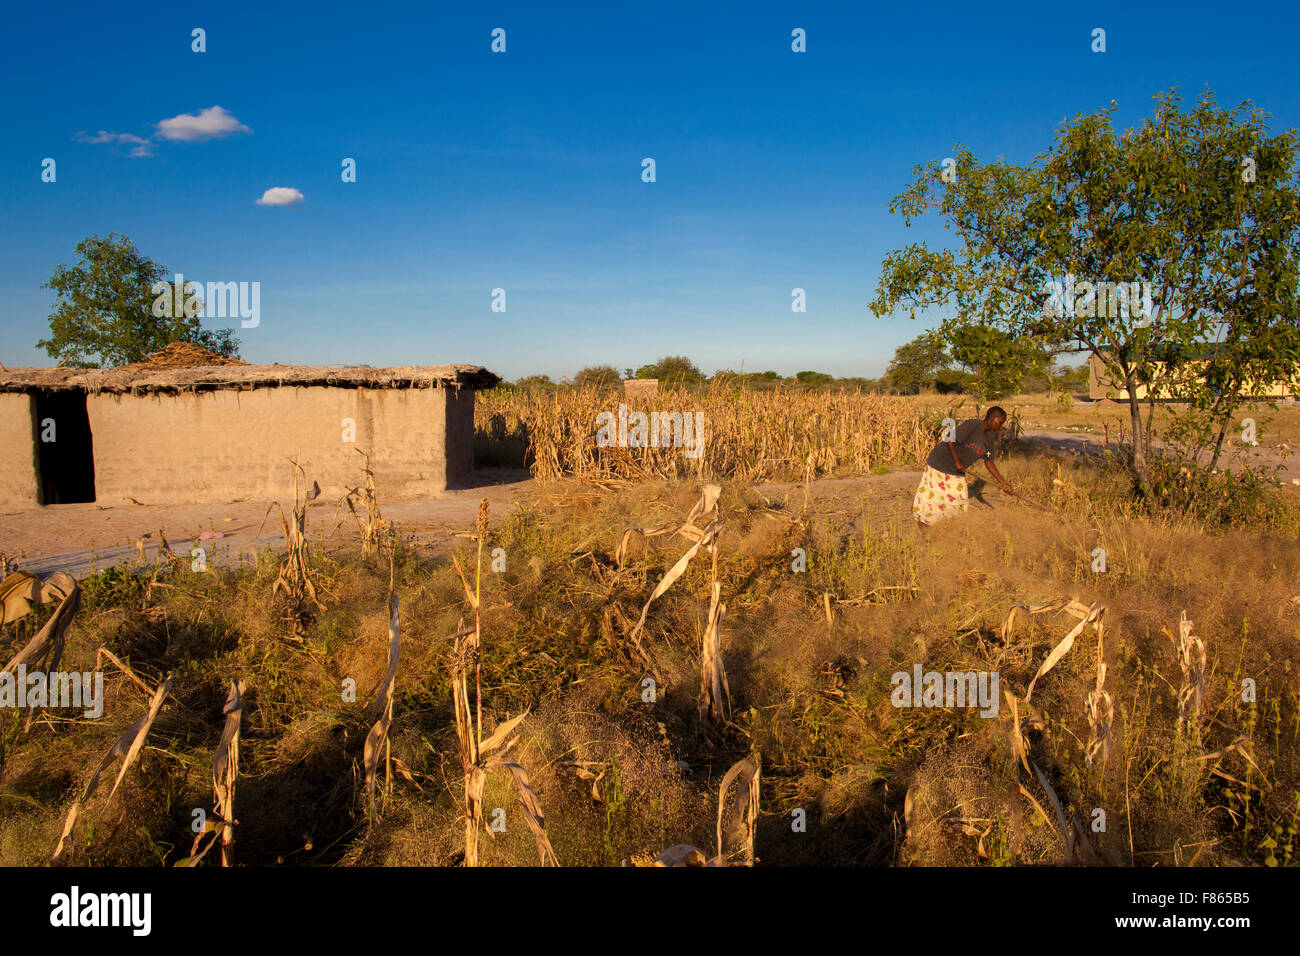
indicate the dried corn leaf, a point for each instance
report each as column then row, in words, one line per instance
column 475, row 781
column 715, row 695
column 225, row 768
column 682, row 854
column 1239, row 746
column 45, row 649
column 18, row 592
column 581, row 770
column 406, row 773
column 707, row 504
column 1071, row 606
column 1093, row 616
column 745, row 774
column 532, row 811
column 128, row 748
column 675, row 572
column 464, row 719
column 620, row 553
column 1037, row 806
column 1060, row 814
column 384, row 699
column 1100, row 711
column 1192, row 662
column 210, row 828
column 500, row 734
column 1019, row 745
column 469, row 591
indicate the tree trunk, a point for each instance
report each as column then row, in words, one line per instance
column 1139, row 443
column 1218, row 445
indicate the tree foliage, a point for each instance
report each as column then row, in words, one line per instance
column 601, row 375
column 813, row 378
column 998, row 362
column 105, row 315
column 916, row 364
column 535, row 381
column 672, row 370
column 1202, row 205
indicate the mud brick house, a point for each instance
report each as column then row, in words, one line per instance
column 218, row 433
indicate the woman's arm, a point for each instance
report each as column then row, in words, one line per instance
column 993, row 470
column 952, row 447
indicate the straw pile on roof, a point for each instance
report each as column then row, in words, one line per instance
column 183, row 355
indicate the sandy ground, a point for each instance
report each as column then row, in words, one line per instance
column 83, row 538
column 1087, row 443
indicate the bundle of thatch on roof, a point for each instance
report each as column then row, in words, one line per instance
column 183, row 355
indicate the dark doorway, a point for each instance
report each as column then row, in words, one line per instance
column 65, row 451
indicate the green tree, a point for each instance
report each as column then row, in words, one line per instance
column 535, row 381
column 998, row 363
column 106, row 315
column 1197, row 208
column 951, row 381
column 600, row 375
column 672, row 370
column 1072, row 378
column 813, row 378
column 859, row 383
column 916, row 363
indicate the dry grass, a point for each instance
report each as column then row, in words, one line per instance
column 1185, row 766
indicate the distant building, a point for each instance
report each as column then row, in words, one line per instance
column 220, row 433
column 1101, row 385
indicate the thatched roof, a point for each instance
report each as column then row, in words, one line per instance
column 202, row 378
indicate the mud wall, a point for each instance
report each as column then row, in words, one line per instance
column 228, row 445
column 19, row 479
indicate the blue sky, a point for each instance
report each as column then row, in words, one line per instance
column 522, row 170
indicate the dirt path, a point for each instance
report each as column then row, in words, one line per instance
column 1082, row 442
column 83, row 538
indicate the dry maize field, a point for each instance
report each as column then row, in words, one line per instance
column 751, row 435
column 661, row 661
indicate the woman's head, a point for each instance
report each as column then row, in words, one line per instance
column 994, row 418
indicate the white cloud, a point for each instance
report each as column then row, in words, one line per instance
column 140, row 147
column 281, row 196
column 103, row 136
column 211, row 123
